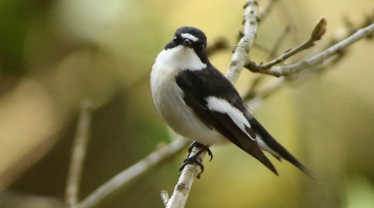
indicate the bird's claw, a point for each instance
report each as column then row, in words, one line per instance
column 197, row 144
column 190, row 160
column 194, row 158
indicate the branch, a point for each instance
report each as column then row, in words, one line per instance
column 258, row 96
column 165, row 197
column 255, row 98
column 183, row 187
column 78, row 155
column 319, row 58
column 241, row 56
column 140, row 168
column 317, row 33
column 238, row 60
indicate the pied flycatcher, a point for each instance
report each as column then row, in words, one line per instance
column 200, row 103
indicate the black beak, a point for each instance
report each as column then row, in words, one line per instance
column 187, row 43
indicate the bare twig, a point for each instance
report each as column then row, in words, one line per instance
column 319, row 58
column 258, row 96
column 317, row 33
column 78, row 155
column 123, row 178
column 255, row 97
column 350, row 29
column 239, row 59
column 165, row 197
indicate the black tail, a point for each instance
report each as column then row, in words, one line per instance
column 257, row 153
column 278, row 148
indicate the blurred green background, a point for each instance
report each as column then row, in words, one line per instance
column 56, row 53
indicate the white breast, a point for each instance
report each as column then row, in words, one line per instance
column 168, row 97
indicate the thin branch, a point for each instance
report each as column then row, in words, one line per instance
column 78, row 155
column 140, row 168
column 241, row 56
column 350, row 29
column 317, row 33
column 257, row 96
column 238, row 60
column 319, row 58
column 165, row 197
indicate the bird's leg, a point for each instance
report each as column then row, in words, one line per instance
column 194, row 158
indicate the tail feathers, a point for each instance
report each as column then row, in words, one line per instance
column 278, row 148
column 255, row 150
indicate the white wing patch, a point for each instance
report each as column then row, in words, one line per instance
column 222, row 106
column 189, row 36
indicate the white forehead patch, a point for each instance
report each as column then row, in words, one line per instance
column 189, row 36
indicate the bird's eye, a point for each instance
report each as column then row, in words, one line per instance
column 175, row 39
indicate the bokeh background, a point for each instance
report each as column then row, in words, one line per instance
column 56, row 53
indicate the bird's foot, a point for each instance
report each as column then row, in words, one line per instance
column 197, row 144
column 194, row 158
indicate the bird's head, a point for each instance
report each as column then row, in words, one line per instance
column 188, row 37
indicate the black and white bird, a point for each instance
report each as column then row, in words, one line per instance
column 200, row 103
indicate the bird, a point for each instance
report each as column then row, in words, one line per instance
column 199, row 103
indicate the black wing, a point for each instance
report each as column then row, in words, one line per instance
column 197, row 86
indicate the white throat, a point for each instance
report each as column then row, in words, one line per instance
column 180, row 58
